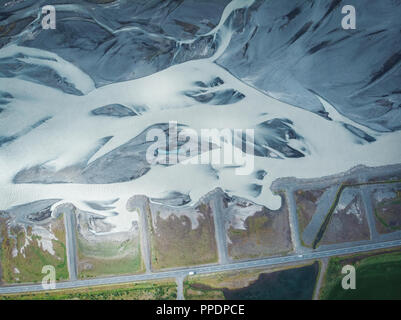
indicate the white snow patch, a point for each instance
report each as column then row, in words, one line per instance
column 46, row 238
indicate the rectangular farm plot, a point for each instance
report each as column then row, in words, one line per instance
column 386, row 201
column 254, row 231
column 182, row 236
column 348, row 222
column 26, row 248
column 106, row 254
column 306, row 202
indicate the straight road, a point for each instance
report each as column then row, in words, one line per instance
column 293, row 219
column 219, row 228
column 180, row 287
column 322, row 272
column 71, row 244
column 140, row 203
column 205, row 269
column 369, row 212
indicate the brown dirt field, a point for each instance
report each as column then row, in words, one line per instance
column 345, row 226
column 175, row 243
column 267, row 233
column 388, row 214
column 306, row 206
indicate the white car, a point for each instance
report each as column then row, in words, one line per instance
column 300, row 256
column 191, row 273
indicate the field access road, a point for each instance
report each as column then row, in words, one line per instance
column 205, row 269
column 140, row 203
column 367, row 201
column 293, row 220
column 219, row 228
column 69, row 221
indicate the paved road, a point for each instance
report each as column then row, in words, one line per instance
column 369, row 212
column 180, row 287
column 322, row 272
column 216, row 205
column 71, row 244
column 206, row 269
column 140, row 202
column 293, row 220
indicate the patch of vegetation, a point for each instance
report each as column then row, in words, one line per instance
column 306, row 202
column 158, row 290
column 6, row 29
column 114, row 253
column 302, row 220
column 25, row 265
column 108, row 258
column 388, row 214
column 176, row 244
column 378, row 276
column 266, row 233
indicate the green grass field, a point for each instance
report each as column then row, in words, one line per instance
column 378, row 276
column 387, row 213
column 159, row 290
column 31, row 260
column 109, row 258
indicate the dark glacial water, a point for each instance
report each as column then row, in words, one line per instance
column 297, row 283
